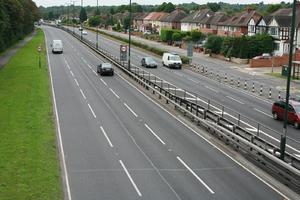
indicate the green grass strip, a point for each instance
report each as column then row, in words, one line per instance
column 29, row 167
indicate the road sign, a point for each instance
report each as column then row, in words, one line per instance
column 123, row 53
column 190, row 49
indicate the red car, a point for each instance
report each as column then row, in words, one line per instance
column 278, row 110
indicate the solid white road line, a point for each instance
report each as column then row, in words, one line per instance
column 58, row 127
column 130, row 110
column 72, row 73
column 229, row 97
column 197, row 177
column 212, row 89
column 82, row 94
column 68, row 66
column 263, row 112
column 76, row 82
column 90, row 66
column 95, row 72
column 107, row 138
column 130, row 178
column 114, row 93
column 103, row 82
column 91, row 109
column 155, row 134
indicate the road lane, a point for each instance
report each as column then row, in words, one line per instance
column 154, row 167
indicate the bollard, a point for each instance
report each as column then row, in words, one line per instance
column 270, row 93
column 260, row 92
column 202, row 69
column 231, row 81
column 206, row 70
column 238, row 84
column 217, row 76
column 225, row 77
column 245, row 85
column 279, row 96
column 253, row 89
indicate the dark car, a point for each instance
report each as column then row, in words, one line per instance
column 278, row 110
column 105, row 69
column 149, row 62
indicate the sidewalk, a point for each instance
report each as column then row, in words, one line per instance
column 9, row 53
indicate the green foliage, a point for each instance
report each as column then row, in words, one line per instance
column 166, row 34
column 177, row 36
column 94, row 21
column 197, row 36
column 82, row 15
column 166, row 7
column 272, row 8
column 247, row 47
column 16, row 20
column 214, row 43
column 214, row 6
column 126, row 23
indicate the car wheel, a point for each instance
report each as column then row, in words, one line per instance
column 296, row 124
column 275, row 116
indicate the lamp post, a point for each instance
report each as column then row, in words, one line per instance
column 97, row 28
column 129, row 35
column 283, row 136
column 40, row 50
column 81, row 21
column 73, row 17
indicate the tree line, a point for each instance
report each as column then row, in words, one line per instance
column 17, row 19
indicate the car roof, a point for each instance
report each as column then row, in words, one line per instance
column 292, row 102
column 106, row 65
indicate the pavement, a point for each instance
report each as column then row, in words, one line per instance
column 5, row 57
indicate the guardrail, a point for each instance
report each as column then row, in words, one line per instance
column 226, row 127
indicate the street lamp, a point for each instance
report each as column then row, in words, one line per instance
column 283, row 137
column 73, row 17
column 129, row 35
column 81, row 21
column 97, row 27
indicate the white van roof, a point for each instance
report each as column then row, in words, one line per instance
column 57, row 41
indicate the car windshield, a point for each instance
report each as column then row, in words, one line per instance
column 106, row 65
column 297, row 109
column 177, row 58
column 149, row 60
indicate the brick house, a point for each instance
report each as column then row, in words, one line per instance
column 192, row 21
column 238, row 24
column 173, row 20
column 153, row 21
column 138, row 21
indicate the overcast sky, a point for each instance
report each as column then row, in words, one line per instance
column 47, row 3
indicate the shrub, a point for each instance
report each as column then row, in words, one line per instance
column 197, row 35
column 176, row 37
column 214, row 43
column 166, row 35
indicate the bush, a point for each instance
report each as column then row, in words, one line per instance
column 94, row 21
column 197, row 36
column 166, row 35
column 176, row 37
column 214, row 43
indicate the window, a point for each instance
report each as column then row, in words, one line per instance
column 284, row 32
column 273, row 31
column 276, row 47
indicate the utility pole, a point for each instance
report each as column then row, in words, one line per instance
column 73, row 16
column 283, row 136
column 81, row 21
column 129, row 39
column 97, row 27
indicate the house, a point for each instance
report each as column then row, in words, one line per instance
column 238, row 24
column 152, row 21
column 173, row 20
column 209, row 24
column 261, row 26
column 192, row 21
column 138, row 21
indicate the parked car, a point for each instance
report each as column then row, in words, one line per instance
column 57, row 46
column 84, row 32
column 147, row 32
column 105, row 69
column 278, row 110
column 171, row 60
column 148, row 62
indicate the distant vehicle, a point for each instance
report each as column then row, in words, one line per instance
column 105, row 69
column 278, row 110
column 147, row 32
column 148, row 62
column 84, row 32
column 263, row 56
column 80, row 28
column 57, row 46
column 172, row 60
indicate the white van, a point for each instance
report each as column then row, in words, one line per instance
column 171, row 60
column 57, row 46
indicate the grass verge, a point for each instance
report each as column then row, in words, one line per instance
column 29, row 167
column 278, row 75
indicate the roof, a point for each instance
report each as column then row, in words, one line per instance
column 174, row 16
column 155, row 16
column 283, row 21
column 197, row 16
column 218, row 17
column 243, row 18
column 140, row 16
column 282, row 12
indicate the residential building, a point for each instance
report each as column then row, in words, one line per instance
column 192, row 21
column 153, row 21
column 173, row 20
column 138, row 21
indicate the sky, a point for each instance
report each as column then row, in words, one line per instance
column 47, row 3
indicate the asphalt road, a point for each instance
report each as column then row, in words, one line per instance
column 118, row 144
column 255, row 110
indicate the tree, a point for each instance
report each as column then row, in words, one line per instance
column 82, row 15
column 214, row 6
column 94, row 21
column 197, row 36
column 176, row 36
column 214, row 43
column 272, row 8
column 126, row 23
column 166, row 7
